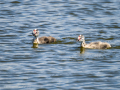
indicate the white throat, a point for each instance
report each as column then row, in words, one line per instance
column 83, row 43
column 37, row 40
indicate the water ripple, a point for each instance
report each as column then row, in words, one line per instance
column 63, row 64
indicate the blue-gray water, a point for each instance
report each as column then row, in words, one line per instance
column 62, row 65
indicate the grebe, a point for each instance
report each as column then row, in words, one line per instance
column 41, row 40
column 93, row 45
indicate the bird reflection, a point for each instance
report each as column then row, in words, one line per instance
column 82, row 50
column 35, row 46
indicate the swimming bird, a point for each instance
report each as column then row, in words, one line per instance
column 41, row 40
column 93, row 45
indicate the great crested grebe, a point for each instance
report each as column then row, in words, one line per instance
column 93, row 45
column 41, row 40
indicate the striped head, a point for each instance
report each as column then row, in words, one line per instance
column 35, row 33
column 81, row 38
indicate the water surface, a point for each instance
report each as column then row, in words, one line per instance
column 62, row 65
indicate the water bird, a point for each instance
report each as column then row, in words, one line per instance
column 93, row 45
column 41, row 40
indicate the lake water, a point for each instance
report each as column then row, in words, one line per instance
column 62, row 65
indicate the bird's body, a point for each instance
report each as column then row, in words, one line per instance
column 42, row 40
column 93, row 45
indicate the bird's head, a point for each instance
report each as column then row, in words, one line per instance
column 81, row 38
column 35, row 33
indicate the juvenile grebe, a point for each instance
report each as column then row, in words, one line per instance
column 93, row 45
column 41, row 40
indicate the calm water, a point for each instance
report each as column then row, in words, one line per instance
column 62, row 65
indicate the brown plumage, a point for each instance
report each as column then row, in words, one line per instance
column 42, row 40
column 93, row 45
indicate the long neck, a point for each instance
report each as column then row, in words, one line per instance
column 35, row 40
column 83, row 43
column 35, row 37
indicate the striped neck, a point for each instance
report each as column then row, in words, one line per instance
column 37, row 40
column 83, row 43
